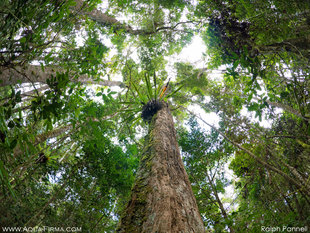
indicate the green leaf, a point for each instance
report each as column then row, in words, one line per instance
column 155, row 90
column 5, row 178
column 142, row 97
column 253, row 107
column 174, row 92
column 284, row 94
column 13, row 143
column 11, row 124
column 148, row 85
column 22, row 40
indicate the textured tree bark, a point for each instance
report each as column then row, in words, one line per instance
column 162, row 200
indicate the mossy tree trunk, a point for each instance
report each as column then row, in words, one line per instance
column 162, row 200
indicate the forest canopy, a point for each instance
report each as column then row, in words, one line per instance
column 81, row 81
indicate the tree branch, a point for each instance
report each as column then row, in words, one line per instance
column 32, row 73
column 106, row 20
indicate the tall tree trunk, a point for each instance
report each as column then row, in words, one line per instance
column 33, row 73
column 162, row 200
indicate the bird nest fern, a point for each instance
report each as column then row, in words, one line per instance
column 151, row 96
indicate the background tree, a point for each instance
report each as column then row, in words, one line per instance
column 205, row 156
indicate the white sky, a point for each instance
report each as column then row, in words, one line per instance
column 193, row 53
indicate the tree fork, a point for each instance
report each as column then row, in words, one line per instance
column 162, row 200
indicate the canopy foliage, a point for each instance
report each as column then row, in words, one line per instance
column 74, row 76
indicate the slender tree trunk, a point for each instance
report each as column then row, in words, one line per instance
column 162, row 200
column 219, row 202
